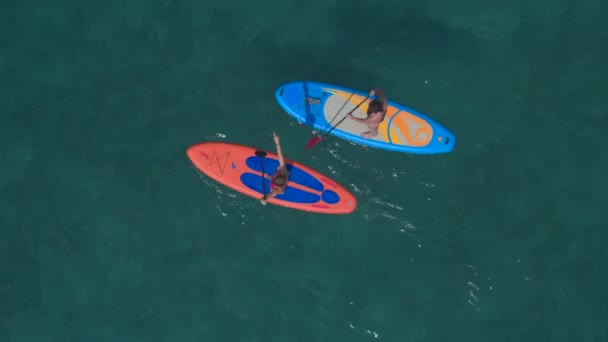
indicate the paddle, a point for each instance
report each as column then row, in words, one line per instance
column 313, row 141
column 262, row 154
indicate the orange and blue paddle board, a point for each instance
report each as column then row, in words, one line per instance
column 321, row 106
column 239, row 168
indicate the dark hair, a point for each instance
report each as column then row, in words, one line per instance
column 375, row 106
column 279, row 180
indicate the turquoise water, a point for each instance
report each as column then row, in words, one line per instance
column 107, row 233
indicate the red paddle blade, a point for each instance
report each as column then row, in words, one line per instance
column 312, row 142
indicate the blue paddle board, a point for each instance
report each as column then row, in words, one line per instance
column 322, row 105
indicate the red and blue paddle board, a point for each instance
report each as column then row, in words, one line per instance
column 238, row 167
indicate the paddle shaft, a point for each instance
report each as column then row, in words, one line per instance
column 263, row 179
column 312, row 142
column 261, row 155
column 333, row 127
column 344, row 118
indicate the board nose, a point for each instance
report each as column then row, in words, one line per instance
column 448, row 140
column 443, row 140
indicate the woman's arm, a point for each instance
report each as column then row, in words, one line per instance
column 269, row 195
column 352, row 117
column 279, row 151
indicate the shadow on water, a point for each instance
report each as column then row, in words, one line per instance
column 410, row 31
column 282, row 62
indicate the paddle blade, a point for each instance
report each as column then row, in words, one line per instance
column 312, row 142
column 260, row 154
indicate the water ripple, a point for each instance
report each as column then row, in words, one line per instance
column 368, row 332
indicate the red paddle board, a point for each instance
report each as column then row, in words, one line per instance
column 238, row 167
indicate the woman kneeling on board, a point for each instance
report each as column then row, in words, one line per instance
column 375, row 114
column 278, row 182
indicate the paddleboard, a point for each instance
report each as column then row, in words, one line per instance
column 238, row 167
column 322, row 105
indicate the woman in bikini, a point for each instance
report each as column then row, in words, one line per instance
column 375, row 114
column 278, row 182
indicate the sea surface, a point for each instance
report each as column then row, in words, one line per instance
column 108, row 233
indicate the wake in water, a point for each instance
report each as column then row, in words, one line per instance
column 473, row 290
column 220, row 135
column 391, row 212
column 373, row 208
column 366, row 331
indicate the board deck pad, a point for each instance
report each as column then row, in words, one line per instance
column 237, row 167
column 321, row 105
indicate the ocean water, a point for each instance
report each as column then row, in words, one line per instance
column 108, row 233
